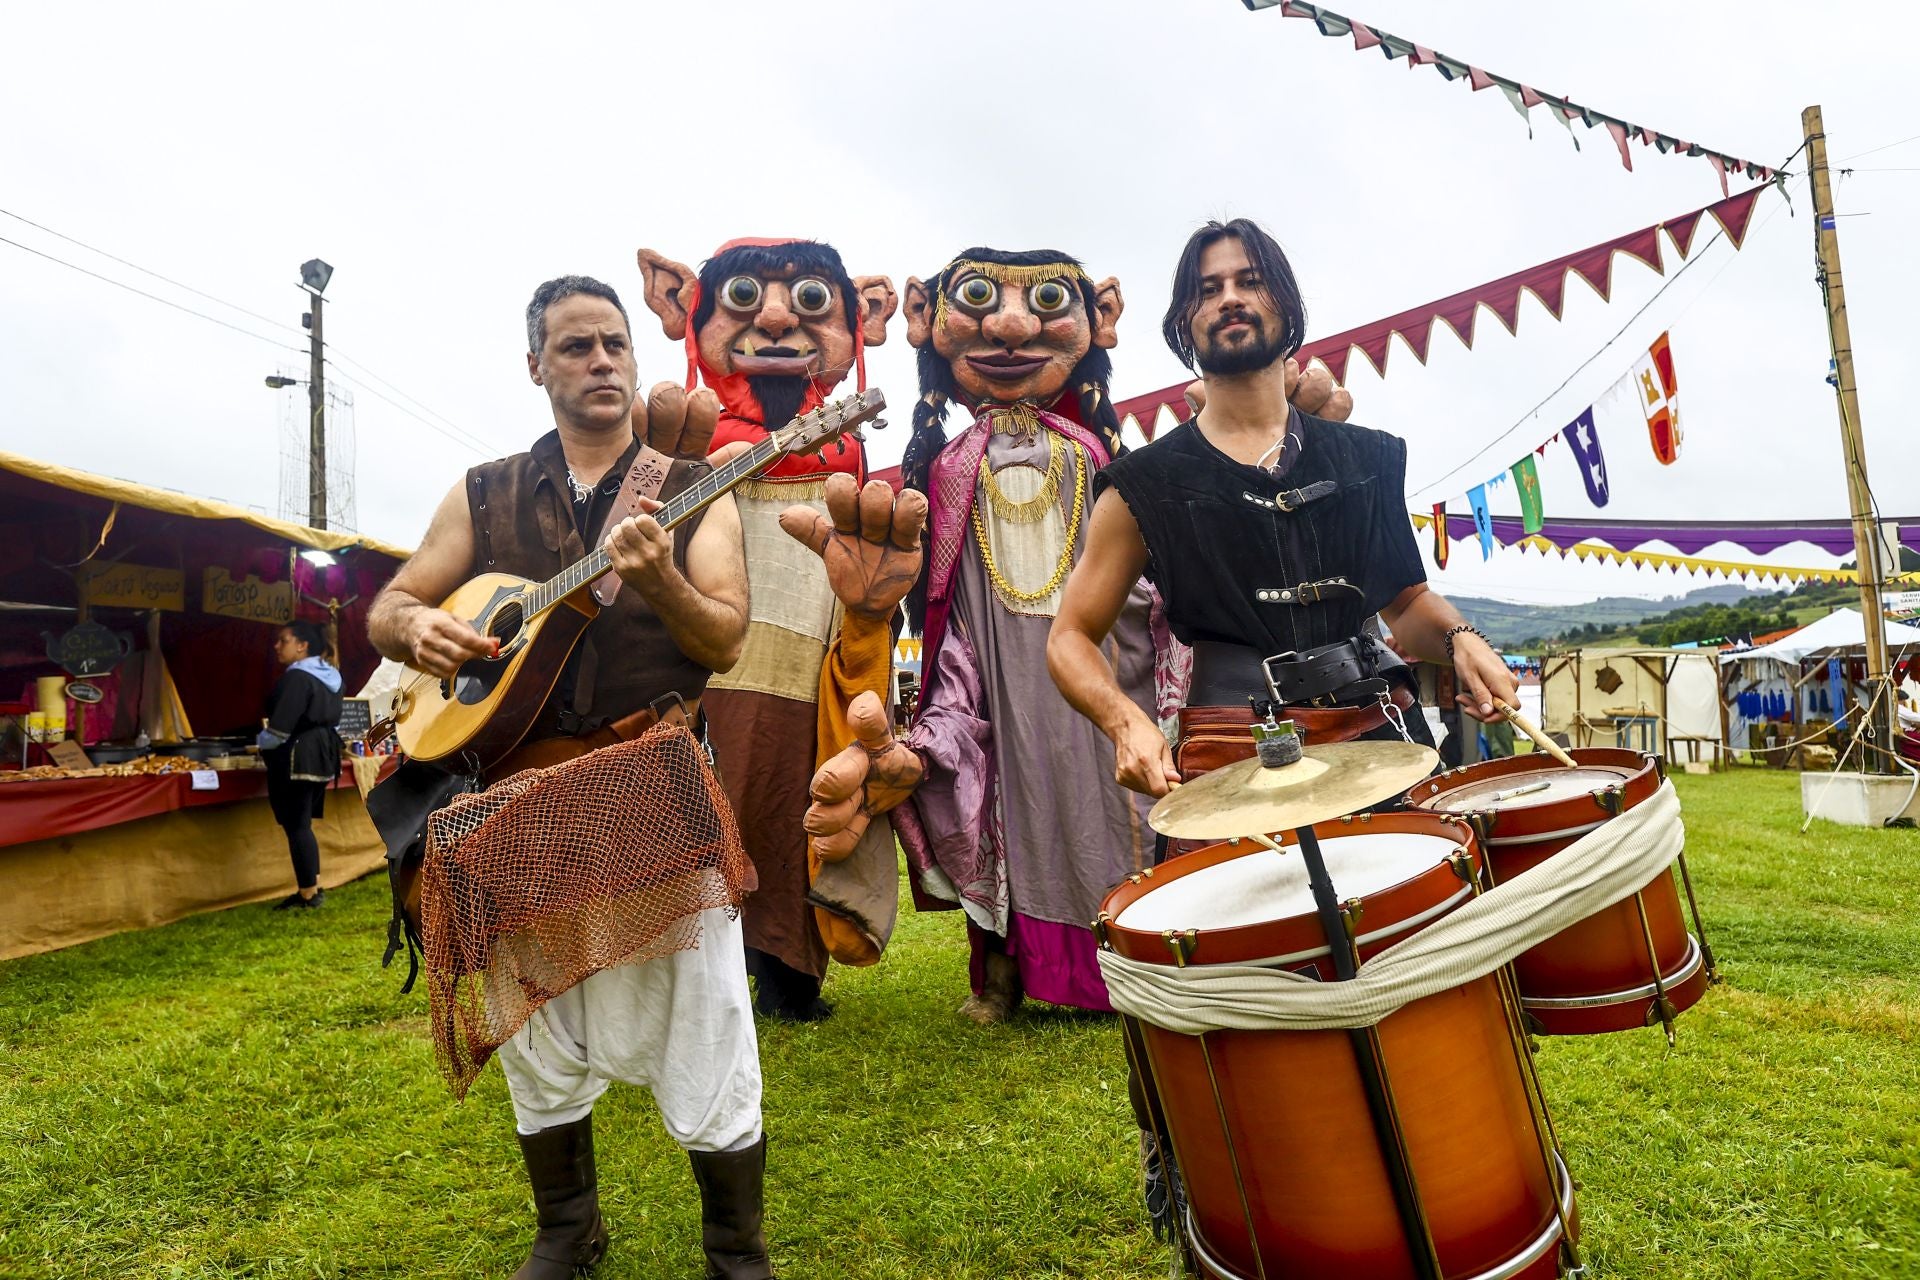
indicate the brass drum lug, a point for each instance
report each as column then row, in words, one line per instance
column 1612, row 799
column 1181, row 942
column 1483, row 821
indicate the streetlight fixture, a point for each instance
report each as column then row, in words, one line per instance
column 314, row 275
column 275, row 381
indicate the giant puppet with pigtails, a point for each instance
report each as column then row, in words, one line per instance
column 771, row 326
column 1003, row 796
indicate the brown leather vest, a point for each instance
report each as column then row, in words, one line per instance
column 523, row 524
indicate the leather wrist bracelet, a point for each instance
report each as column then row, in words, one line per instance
column 1454, row 631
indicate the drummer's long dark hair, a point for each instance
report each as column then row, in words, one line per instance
column 1276, row 281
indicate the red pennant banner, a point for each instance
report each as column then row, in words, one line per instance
column 1547, row 282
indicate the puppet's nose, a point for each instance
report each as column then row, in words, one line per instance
column 1011, row 327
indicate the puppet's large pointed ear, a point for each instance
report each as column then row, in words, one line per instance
column 919, row 313
column 668, row 285
column 1107, row 305
column 878, row 302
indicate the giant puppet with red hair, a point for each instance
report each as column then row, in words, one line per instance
column 772, row 327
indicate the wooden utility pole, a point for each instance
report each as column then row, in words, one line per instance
column 1866, row 532
column 317, row 420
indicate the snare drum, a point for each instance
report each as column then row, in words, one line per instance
column 1272, row 1130
column 1631, row 965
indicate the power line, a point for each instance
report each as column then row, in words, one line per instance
column 474, row 443
column 278, row 324
column 154, row 297
column 338, row 355
column 1888, row 147
column 483, row 447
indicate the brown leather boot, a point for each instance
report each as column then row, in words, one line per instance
column 1000, row 994
column 732, row 1198
column 566, row 1200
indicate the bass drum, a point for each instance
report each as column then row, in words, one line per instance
column 1272, row 1130
column 1633, row 964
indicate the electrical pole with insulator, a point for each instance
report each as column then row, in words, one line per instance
column 314, row 275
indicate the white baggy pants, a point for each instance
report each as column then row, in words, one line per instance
column 681, row 1025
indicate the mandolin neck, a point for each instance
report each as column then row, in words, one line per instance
column 689, row 502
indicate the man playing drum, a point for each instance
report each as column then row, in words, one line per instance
column 1274, row 537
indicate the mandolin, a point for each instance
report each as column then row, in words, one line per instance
column 480, row 714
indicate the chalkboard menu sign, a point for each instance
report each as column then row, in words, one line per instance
column 356, row 718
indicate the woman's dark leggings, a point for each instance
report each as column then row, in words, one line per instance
column 305, row 849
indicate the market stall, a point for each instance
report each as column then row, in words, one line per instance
column 1662, row 701
column 136, row 627
column 1797, row 685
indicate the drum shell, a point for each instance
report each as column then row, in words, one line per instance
column 1581, row 980
column 1284, row 1114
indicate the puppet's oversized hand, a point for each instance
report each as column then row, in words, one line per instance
column 872, row 775
column 1313, row 392
column 869, row 539
column 677, row 424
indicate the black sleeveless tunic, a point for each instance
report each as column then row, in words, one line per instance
column 1228, row 556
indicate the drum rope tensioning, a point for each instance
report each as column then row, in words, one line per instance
column 1603, row 867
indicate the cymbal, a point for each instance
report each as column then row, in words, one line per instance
column 1246, row 798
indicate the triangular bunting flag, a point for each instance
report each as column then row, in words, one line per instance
column 1440, row 540
column 1736, row 215
column 1619, row 132
column 1681, row 229
column 1519, row 102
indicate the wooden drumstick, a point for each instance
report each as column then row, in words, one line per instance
column 1533, row 731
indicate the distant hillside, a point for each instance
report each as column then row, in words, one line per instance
column 1509, row 624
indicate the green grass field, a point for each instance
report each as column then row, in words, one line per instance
column 245, row 1094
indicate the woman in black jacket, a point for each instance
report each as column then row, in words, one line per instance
column 301, row 747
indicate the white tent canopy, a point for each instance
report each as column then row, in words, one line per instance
column 1840, row 630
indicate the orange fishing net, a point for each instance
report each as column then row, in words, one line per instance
column 554, row 874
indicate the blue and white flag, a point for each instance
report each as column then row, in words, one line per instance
column 1482, row 519
column 1585, row 443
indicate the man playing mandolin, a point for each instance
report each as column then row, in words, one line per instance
column 682, row 1023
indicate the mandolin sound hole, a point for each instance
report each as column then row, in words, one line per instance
column 506, row 623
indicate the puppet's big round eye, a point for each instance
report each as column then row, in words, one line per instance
column 977, row 293
column 1049, row 298
column 812, row 297
column 742, row 293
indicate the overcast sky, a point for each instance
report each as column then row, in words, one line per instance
column 446, row 164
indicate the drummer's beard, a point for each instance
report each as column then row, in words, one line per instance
column 1258, row 351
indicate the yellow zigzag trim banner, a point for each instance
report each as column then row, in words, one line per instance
column 1673, row 564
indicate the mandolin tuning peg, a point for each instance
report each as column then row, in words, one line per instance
column 879, row 424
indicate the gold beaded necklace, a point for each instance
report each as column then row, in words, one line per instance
column 1006, row 590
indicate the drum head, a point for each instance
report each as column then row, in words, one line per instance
column 1548, row 784
column 1263, row 886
